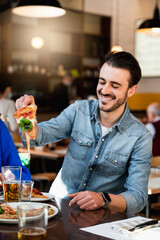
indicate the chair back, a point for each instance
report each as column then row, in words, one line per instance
column 155, row 161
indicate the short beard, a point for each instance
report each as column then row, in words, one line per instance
column 119, row 103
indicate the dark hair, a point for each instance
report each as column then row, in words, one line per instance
column 126, row 61
column 4, row 83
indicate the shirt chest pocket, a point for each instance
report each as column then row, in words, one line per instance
column 79, row 145
column 113, row 163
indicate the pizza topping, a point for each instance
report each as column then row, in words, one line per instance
column 25, row 124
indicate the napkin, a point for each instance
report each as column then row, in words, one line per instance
column 118, row 230
column 124, row 227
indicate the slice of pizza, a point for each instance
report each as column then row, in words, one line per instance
column 37, row 194
column 26, row 117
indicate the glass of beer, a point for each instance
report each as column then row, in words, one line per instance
column 11, row 178
column 26, row 190
column 32, row 221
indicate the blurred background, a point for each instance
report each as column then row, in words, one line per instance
column 36, row 53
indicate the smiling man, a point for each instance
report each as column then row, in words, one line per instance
column 109, row 154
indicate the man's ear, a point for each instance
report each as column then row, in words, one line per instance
column 132, row 90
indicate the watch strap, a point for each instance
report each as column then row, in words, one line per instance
column 106, row 199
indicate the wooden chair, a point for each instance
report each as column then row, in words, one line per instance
column 155, row 161
column 155, row 164
column 44, row 180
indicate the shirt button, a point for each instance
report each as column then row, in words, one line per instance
column 96, row 156
column 79, row 142
column 84, row 184
column 91, row 169
column 102, row 139
column 115, row 161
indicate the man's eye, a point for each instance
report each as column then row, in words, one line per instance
column 114, row 86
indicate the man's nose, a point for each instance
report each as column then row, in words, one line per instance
column 106, row 89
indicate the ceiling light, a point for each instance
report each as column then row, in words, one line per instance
column 37, row 42
column 151, row 25
column 116, row 48
column 39, row 9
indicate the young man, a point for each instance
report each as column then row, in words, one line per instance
column 109, row 153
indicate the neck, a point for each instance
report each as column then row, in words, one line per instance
column 108, row 119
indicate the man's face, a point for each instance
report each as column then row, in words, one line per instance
column 113, row 88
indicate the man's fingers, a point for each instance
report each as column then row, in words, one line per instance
column 24, row 101
column 73, row 195
column 86, row 205
column 76, row 197
column 73, row 201
column 28, row 100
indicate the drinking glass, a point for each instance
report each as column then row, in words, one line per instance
column 11, row 178
column 26, row 190
column 32, row 221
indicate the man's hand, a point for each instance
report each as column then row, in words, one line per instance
column 87, row 200
column 24, row 101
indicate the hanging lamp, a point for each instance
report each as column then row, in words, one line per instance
column 38, row 9
column 151, row 26
column 117, row 47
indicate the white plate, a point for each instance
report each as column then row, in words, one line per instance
column 14, row 205
column 49, row 195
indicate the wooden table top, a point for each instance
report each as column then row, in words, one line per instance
column 59, row 152
column 65, row 225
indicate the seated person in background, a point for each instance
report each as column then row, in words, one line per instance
column 7, row 106
column 110, row 151
column 153, row 125
column 63, row 93
column 8, row 153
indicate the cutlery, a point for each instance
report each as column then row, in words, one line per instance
column 145, row 224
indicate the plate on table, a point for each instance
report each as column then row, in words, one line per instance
column 39, row 199
column 15, row 204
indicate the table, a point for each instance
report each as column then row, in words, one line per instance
column 53, row 155
column 59, row 152
column 65, row 225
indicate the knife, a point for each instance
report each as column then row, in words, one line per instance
column 145, row 224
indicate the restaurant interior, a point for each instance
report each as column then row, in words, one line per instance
column 38, row 52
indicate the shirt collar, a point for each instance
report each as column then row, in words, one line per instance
column 121, row 124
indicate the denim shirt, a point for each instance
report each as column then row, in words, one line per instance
column 117, row 163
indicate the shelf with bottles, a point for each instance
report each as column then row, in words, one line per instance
column 95, row 46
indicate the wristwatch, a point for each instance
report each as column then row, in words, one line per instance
column 106, row 199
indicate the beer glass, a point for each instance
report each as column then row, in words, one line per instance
column 32, row 221
column 11, row 178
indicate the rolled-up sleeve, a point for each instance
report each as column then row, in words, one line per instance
column 136, row 184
